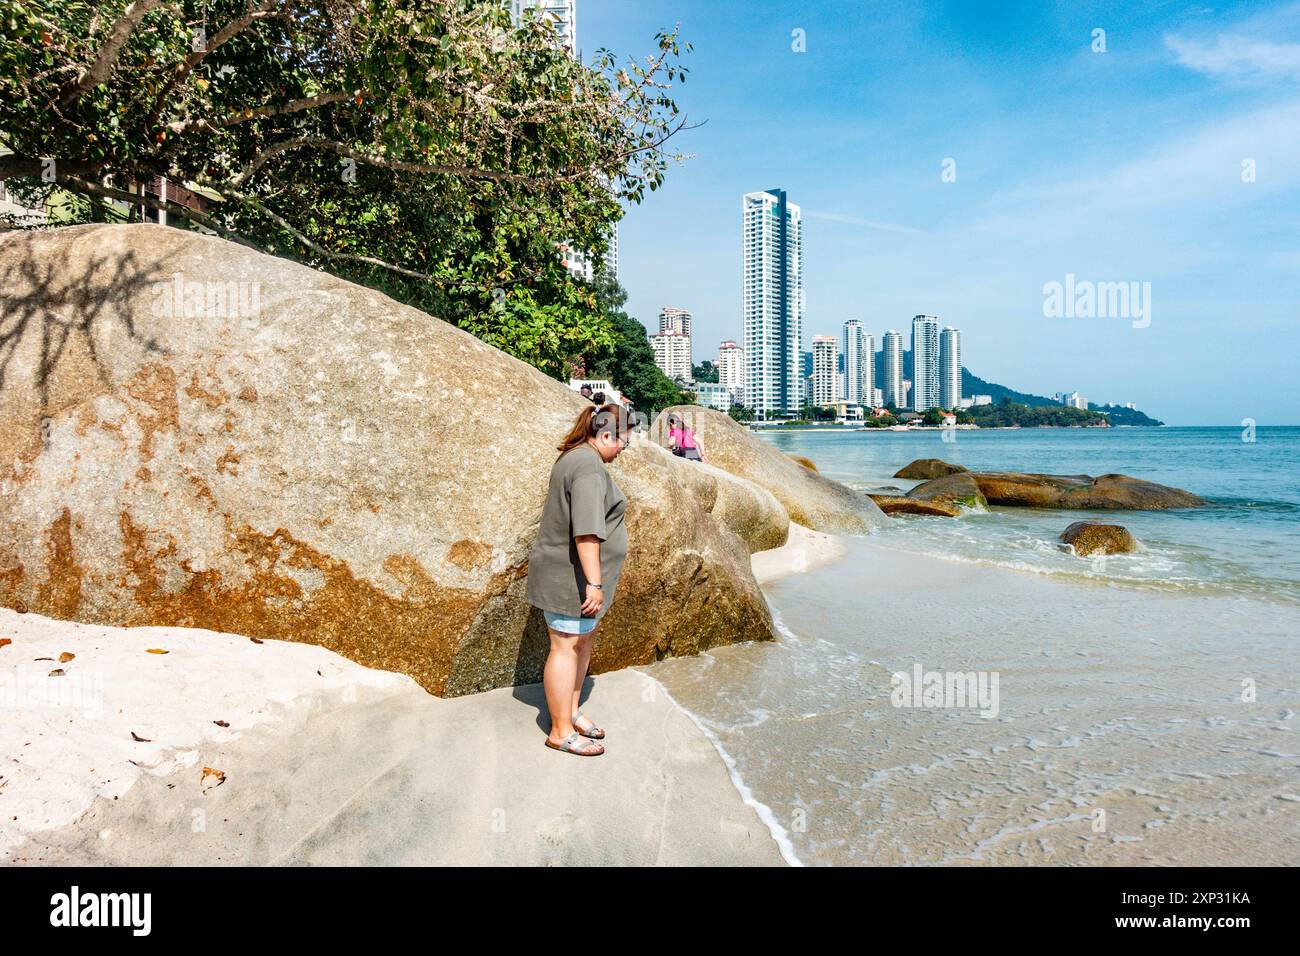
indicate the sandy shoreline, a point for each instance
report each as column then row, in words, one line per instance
column 105, row 763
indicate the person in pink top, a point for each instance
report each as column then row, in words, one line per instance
column 682, row 440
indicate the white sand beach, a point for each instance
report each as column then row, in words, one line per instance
column 320, row 760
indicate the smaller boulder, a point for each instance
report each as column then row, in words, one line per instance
column 925, row 468
column 806, row 462
column 959, row 489
column 1093, row 537
column 902, row 505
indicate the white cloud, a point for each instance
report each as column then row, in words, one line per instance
column 1237, row 57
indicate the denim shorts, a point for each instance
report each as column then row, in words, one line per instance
column 569, row 625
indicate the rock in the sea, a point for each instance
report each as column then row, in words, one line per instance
column 196, row 434
column 809, row 498
column 924, row 468
column 1093, row 537
column 902, row 505
column 805, row 461
column 957, row 490
column 1118, row 492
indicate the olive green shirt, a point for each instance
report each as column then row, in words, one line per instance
column 582, row 499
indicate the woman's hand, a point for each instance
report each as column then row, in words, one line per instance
column 589, row 557
column 594, row 602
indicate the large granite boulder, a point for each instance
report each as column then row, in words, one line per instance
column 958, row 490
column 924, row 468
column 809, row 498
column 1093, row 537
column 196, row 434
column 1119, row 492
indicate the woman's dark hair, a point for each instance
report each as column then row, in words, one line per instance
column 593, row 420
column 598, row 398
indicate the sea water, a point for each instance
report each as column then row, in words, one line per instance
column 1145, row 706
column 1247, row 541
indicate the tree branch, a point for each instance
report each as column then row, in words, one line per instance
column 102, row 65
column 294, row 106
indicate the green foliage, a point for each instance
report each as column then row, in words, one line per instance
column 1119, row 415
column 741, row 414
column 428, row 148
column 705, row 371
column 1007, row 413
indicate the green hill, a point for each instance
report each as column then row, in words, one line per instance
column 972, row 384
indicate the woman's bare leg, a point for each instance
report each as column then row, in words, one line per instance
column 558, row 678
column 583, row 656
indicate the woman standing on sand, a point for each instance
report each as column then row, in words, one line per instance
column 574, row 566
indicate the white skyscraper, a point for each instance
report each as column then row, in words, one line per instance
column 891, row 362
column 678, row 320
column 826, row 379
column 731, row 370
column 672, row 319
column 949, row 368
column 857, row 359
column 925, row 362
column 869, row 389
column 773, row 302
column 673, row 354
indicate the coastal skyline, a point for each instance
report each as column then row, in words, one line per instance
column 957, row 166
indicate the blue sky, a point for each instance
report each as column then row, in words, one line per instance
column 1123, row 165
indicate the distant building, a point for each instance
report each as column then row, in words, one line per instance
column 711, row 395
column 975, row 400
column 877, row 399
column 731, row 370
column 678, row 320
column 853, row 353
column 1072, row 399
column 925, row 362
column 858, row 353
column 949, row 368
column 772, row 242
column 825, row 380
column 891, row 361
column 673, row 354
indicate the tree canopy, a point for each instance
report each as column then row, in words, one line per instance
column 431, row 148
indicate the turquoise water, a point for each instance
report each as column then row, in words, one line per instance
column 1246, row 542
